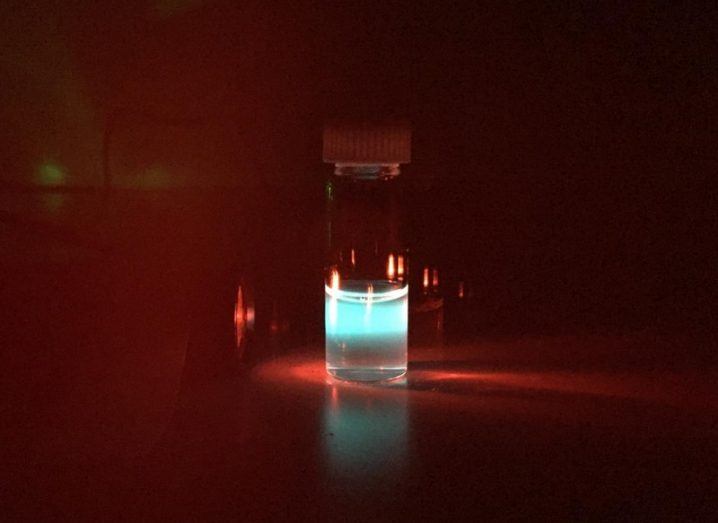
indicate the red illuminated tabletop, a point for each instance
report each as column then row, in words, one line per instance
column 493, row 429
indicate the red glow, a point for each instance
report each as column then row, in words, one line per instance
column 240, row 320
column 353, row 258
column 461, row 388
column 461, row 289
column 435, row 278
column 277, row 324
column 425, row 282
column 390, row 270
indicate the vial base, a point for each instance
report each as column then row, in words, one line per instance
column 369, row 374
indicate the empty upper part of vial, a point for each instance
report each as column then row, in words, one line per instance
column 367, row 149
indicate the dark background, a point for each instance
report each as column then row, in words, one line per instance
column 563, row 152
column 562, row 90
column 154, row 155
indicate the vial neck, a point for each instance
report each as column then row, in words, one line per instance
column 367, row 171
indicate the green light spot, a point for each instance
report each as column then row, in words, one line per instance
column 51, row 174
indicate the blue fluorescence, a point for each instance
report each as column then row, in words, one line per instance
column 366, row 329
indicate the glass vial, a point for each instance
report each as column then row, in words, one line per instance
column 366, row 274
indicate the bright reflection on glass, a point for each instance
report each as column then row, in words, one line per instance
column 460, row 293
column 249, row 315
column 332, row 306
column 243, row 317
column 390, row 271
column 240, row 320
column 425, row 279
column 400, row 266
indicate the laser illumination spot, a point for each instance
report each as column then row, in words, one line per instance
column 50, row 174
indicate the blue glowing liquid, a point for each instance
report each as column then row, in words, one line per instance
column 366, row 325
